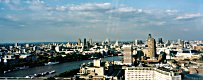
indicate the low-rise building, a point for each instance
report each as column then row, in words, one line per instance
column 149, row 73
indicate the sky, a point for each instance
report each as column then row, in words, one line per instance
column 126, row 20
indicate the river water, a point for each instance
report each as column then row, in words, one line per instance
column 59, row 68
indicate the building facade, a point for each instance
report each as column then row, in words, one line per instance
column 151, row 47
column 127, row 55
column 149, row 73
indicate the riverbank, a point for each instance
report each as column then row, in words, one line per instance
column 45, row 59
column 59, row 68
column 68, row 73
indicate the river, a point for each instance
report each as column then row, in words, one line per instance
column 59, row 68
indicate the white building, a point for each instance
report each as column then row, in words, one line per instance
column 8, row 57
column 97, row 62
column 127, row 55
column 99, row 71
column 95, row 71
column 186, row 54
column 149, row 73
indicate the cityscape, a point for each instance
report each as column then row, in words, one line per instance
column 101, row 40
column 108, row 60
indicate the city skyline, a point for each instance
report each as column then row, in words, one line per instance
column 68, row 20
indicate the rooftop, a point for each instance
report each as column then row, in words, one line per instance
column 163, row 71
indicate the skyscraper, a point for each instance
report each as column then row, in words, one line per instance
column 181, row 43
column 160, row 41
column 127, row 55
column 151, row 47
column 90, row 41
column 85, row 44
column 138, row 42
column 79, row 42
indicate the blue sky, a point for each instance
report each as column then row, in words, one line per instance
column 68, row 20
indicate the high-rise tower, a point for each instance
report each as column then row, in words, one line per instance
column 79, row 42
column 85, row 44
column 151, row 47
column 90, row 41
column 160, row 41
column 127, row 55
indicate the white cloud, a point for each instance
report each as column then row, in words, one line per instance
column 104, row 18
column 12, row 17
column 125, row 9
column 61, row 8
column 171, row 12
column 188, row 16
column 91, row 6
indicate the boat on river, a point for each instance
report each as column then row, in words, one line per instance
column 50, row 63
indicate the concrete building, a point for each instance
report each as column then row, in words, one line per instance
column 160, row 41
column 79, row 42
column 84, row 44
column 90, row 41
column 151, row 47
column 97, row 62
column 95, row 72
column 149, row 73
column 181, row 43
column 198, row 47
column 127, row 55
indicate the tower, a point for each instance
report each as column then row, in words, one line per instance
column 181, row 43
column 151, row 47
column 90, row 41
column 127, row 55
column 79, row 42
column 85, row 43
column 160, row 41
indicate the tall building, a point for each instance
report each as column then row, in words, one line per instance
column 138, row 42
column 88, row 44
column 127, row 55
column 90, row 41
column 160, row 41
column 181, row 43
column 79, row 42
column 107, row 42
column 84, row 43
column 16, row 44
column 151, row 47
column 168, row 43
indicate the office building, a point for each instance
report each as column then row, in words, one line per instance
column 138, row 42
column 151, row 47
column 90, row 41
column 160, row 41
column 127, row 55
column 85, row 44
column 79, row 42
column 149, row 73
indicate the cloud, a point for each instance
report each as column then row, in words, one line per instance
column 125, row 9
column 90, row 6
column 189, row 16
column 93, row 19
column 171, row 11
